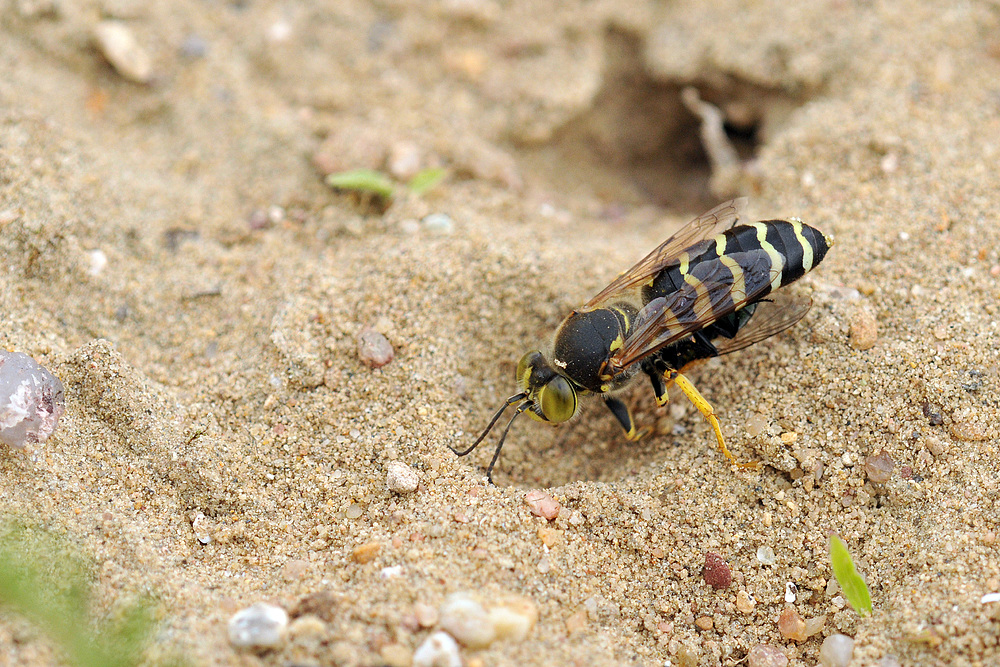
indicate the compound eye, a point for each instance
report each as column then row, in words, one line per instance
column 557, row 399
column 524, row 366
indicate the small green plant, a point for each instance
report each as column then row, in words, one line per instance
column 363, row 181
column 854, row 587
column 43, row 580
column 377, row 184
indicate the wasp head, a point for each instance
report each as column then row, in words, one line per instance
column 551, row 394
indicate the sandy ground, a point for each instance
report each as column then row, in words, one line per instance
column 170, row 252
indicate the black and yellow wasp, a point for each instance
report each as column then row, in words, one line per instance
column 696, row 296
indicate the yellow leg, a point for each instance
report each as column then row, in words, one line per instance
column 708, row 412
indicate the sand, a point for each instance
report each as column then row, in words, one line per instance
column 172, row 254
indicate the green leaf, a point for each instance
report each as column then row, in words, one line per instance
column 854, row 587
column 362, row 180
column 426, row 179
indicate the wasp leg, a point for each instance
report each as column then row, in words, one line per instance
column 708, row 412
column 624, row 417
column 659, row 386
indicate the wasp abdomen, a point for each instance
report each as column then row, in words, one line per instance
column 791, row 247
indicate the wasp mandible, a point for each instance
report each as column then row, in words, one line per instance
column 696, row 296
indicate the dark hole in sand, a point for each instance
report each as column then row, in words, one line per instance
column 638, row 144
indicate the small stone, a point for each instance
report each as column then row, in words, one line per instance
column 119, row 46
column 438, row 650
column 765, row 556
column 262, row 626
column 365, row 553
column 704, row 623
column 307, row 627
column 765, row 655
column 513, row 619
column 542, row 504
column 863, row 329
column 550, row 536
column 879, row 468
column 31, row 400
column 791, row 625
column 467, row 621
column 374, row 349
column 716, row 572
column 401, row 478
column 836, row 651
column 404, row 160
column 756, row 424
column 577, row 622
column 427, row 616
column 745, row 602
column 201, row 526
column 438, row 223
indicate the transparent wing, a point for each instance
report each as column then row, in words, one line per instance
column 725, row 214
column 715, row 292
column 771, row 317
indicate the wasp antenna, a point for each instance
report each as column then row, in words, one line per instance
column 489, row 427
column 503, row 436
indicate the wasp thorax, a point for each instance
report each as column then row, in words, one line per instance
column 552, row 395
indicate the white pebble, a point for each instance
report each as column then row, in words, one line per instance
column 438, row 650
column 790, row 592
column 836, row 651
column 119, row 46
column 467, row 621
column 31, row 400
column 513, row 619
column 260, row 626
column 401, row 478
column 438, row 223
column 766, row 556
column 97, row 262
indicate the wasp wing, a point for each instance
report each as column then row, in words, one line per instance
column 711, row 290
column 770, row 318
column 647, row 267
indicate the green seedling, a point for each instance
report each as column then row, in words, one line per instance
column 854, row 587
column 375, row 183
column 43, row 580
column 364, row 181
column 426, row 179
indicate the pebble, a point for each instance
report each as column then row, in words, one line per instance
column 439, row 223
column 704, row 623
column 262, row 626
column 745, row 602
column 879, row 467
column 716, row 572
column 201, row 526
column 863, row 329
column 836, row 651
column 31, row 400
column 117, row 43
column 467, row 621
column 791, row 625
column 401, row 478
column 765, row 555
column 513, row 619
column 365, row 553
column 765, row 655
column 438, row 650
column 542, row 504
column 427, row 616
column 374, row 349
column 404, row 160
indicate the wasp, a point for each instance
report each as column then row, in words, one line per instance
column 700, row 294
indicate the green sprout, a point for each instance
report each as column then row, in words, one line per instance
column 363, row 181
column 43, row 580
column 854, row 587
column 376, row 184
column 426, row 179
